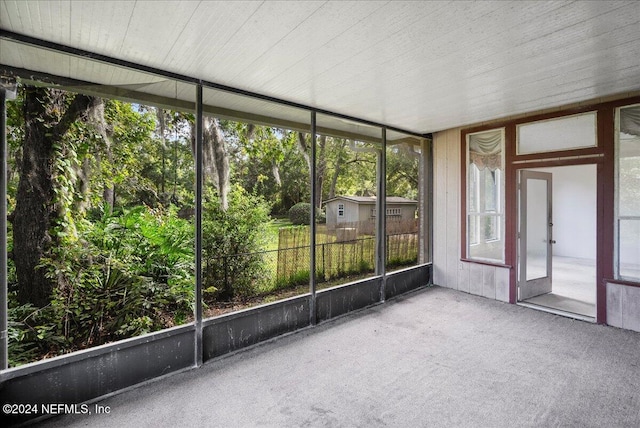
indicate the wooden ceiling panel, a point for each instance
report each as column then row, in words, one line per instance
column 211, row 27
column 258, row 33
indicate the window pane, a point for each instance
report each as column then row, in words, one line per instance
column 405, row 156
column 490, row 228
column 346, row 192
column 473, row 188
column 256, row 211
column 629, row 162
column 628, row 192
column 485, row 190
column 473, row 229
column 629, row 248
column 574, row 132
column 537, row 229
column 491, row 190
column 114, row 222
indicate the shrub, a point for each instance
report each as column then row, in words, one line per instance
column 300, row 213
column 127, row 274
column 27, row 327
column 231, row 242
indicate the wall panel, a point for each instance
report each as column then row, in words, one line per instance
column 488, row 282
column 453, row 207
column 440, row 208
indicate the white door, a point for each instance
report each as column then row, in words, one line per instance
column 535, row 233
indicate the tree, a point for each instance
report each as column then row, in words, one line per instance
column 354, row 167
column 160, row 115
column 403, row 164
column 215, row 157
column 48, row 115
column 339, row 161
column 321, row 161
column 267, row 162
column 170, row 157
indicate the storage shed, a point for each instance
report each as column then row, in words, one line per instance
column 354, row 211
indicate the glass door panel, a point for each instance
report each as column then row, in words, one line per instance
column 535, row 252
column 537, row 229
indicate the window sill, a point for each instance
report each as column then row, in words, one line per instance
column 486, row 263
column 626, row 282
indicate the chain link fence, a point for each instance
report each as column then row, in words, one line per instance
column 250, row 274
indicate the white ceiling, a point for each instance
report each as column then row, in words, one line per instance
column 419, row 66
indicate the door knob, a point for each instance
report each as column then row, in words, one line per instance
column 553, row 241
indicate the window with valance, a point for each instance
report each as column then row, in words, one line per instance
column 485, row 195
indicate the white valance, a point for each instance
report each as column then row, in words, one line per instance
column 630, row 120
column 485, row 150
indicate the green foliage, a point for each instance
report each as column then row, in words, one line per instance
column 401, row 261
column 125, row 275
column 300, row 213
column 296, row 278
column 363, row 266
column 266, row 161
column 27, row 327
column 231, row 241
column 357, row 168
column 403, row 171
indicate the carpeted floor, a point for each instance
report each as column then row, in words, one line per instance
column 433, row 358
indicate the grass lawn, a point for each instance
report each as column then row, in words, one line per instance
column 272, row 232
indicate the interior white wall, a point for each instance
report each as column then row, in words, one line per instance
column 574, row 210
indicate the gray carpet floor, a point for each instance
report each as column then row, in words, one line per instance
column 433, row 358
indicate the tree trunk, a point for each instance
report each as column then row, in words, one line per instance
column 304, row 150
column 340, row 158
column 275, row 170
column 96, row 114
column 321, row 160
column 46, row 121
column 83, row 173
column 217, row 159
column 321, row 170
column 161, row 131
